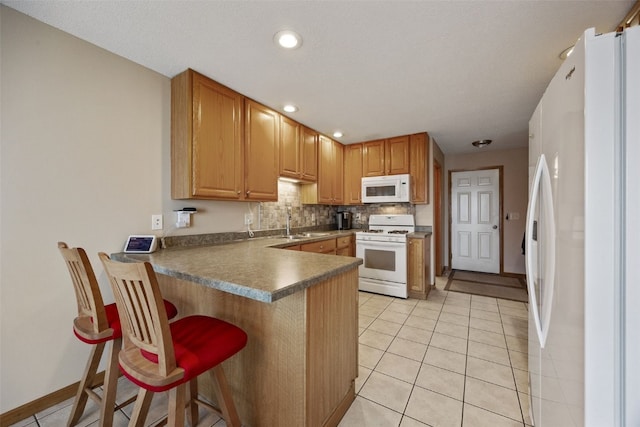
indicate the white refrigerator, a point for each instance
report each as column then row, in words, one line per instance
column 583, row 262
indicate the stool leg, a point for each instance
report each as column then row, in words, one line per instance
column 141, row 408
column 176, row 405
column 110, row 384
column 80, row 401
column 223, row 394
column 192, row 409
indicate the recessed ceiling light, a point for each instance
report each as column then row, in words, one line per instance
column 337, row 134
column 290, row 108
column 566, row 53
column 288, row 39
column 481, row 143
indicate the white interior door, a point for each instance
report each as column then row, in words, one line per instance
column 475, row 220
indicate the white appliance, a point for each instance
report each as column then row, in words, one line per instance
column 383, row 249
column 386, row 189
column 583, row 236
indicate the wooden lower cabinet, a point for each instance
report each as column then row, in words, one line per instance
column 322, row 247
column 301, row 359
column 418, row 266
column 345, row 245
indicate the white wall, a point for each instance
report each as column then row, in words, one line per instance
column 515, row 197
column 84, row 158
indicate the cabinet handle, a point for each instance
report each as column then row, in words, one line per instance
column 248, row 192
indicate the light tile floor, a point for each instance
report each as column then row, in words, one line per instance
column 452, row 360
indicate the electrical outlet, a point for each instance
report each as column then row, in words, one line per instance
column 156, row 222
column 248, row 219
column 358, row 216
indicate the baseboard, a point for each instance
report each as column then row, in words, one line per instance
column 515, row 275
column 31, row 408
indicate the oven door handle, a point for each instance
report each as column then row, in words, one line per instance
column 379, row 244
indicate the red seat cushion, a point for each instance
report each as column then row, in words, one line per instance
column 113, row 320
column 200, row 343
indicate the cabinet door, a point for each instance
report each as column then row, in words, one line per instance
column 338, row 165
column 326, row 172
column 289, row 148
column 419, row 168
column 415, row 257
column 418, row 267
column 206, row 139
column 397, row 155
column 308, row 154
column 353, row 174
column 345, row 246
column 321, row 247
column 262, row 136
column 373, row 163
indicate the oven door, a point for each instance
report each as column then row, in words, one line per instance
column 385, row 261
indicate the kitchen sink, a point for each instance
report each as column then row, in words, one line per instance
column 314, row 234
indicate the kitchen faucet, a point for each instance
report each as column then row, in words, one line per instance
column 288, row 217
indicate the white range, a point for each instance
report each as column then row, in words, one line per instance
column 384, row 251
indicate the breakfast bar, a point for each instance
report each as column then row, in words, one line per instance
column 299, row 310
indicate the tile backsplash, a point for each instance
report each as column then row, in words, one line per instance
column 272, row 215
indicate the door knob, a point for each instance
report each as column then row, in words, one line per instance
column 495, row 227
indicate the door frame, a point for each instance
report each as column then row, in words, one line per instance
column 500, row 169
column 438, row 214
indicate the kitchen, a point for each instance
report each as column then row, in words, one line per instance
column 100, row 143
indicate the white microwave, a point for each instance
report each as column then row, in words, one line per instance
column 386, row 189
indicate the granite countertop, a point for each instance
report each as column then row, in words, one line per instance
column 256, row 268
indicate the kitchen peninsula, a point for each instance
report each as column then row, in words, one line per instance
column 300, row 311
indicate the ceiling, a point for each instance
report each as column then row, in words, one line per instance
column 461, row 70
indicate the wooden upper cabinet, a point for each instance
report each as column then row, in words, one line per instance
column 262, row 154
column 206, row 139
column 330, row 171
column 338, row 183
column 373, row 158
column 419, row 167
column 353, row 174
column 386, row 156
column 289, row 148
column 397, row 155
column 308, row 154
column 298, row 151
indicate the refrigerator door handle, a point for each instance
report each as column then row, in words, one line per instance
column 541, row 185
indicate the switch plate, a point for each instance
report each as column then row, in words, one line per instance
column 248, row 219
column 156, row 222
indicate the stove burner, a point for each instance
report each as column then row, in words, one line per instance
column 374, row 231
column 398, row 232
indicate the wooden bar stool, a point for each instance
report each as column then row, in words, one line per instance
column 96, row 324
column 159, row 356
